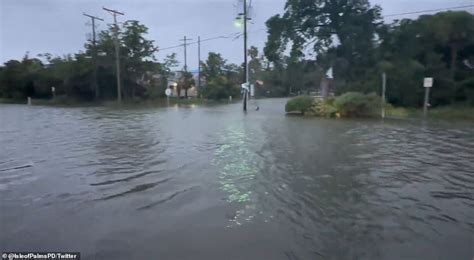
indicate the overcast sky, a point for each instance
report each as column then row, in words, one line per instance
column 58, row 26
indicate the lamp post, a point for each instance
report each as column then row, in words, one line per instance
column 243, row 17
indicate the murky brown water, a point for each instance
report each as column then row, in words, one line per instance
column 214, row 183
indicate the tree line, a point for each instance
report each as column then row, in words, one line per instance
column 308, row 39
column 73, row 75
column 350, row 36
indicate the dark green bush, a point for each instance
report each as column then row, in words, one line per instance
column 325, row 107
column 300, row 104
column 353, row 104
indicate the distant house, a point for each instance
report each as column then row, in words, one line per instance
column 173, row 84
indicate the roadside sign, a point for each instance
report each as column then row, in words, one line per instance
column 428, row 83
column 329, row 74
column 168, row 92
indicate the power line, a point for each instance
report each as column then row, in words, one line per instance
column 203, row 40
column 430, row 11
column 185, row 39
column 238, row 35
column 94, row 52
column 199, row 62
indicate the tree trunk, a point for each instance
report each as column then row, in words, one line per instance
column 454, row 57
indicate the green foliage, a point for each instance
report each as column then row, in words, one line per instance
column 170, row 62
column 72, row 75
column 220, row 88
column 406, row 50
column 433, row 45
column 300, row 48
column 27, row 78
column 214, row 66
column 468, row 87
column 222, row 80
column 451, row 112
column 350, row 104
column 354, row 104
column 186, row 82
column 300, row 104
column 325, row 107
column 316, row 23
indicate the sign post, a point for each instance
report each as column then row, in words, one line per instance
column 428, row 84
column 245, row 90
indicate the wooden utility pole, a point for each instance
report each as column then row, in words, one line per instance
column 199, row 63
column 245, row 43
column 117, row 52
column 384, row 84
column 94, row 54
column 185, row 40
column 246, row 69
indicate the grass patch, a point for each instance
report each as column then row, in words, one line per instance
column 12, row 101
column 455, row 112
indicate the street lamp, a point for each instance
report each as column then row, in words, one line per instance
column 238, row 22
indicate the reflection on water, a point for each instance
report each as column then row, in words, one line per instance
column 234, row 161
column 191, row 181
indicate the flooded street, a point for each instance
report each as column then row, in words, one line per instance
column 210, row 182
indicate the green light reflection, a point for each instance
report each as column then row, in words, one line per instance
column 236, row 166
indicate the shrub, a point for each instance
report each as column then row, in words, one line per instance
column 353, row 104
column 325, row 107
column 220, row 88
column 300, row 104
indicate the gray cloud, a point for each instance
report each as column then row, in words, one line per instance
column 58, row 27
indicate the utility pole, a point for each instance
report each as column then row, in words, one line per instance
column 384, row 84
column 94, row 53
column 199, row 63
column 246, row 70
column 185, row 54
column 245, row 43
column 117, row 52
column 426, row 102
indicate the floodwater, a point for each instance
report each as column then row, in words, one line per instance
column 200, row 182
